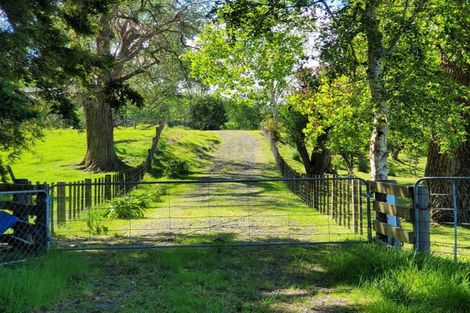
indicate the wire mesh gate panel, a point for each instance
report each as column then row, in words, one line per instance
column 23, row 224
column 449, row 199
column 153, row 214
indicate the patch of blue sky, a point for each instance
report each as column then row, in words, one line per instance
column 5, row 25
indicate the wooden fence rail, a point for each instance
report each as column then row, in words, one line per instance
column 388, row 215
column 341, row 200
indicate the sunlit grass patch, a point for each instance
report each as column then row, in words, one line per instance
column 40, row 282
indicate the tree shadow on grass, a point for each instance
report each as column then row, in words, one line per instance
column 220, row 277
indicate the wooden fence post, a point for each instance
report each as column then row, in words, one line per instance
column 42, row 235
column 422, row 219
column 329, row 197
column 349, row 201
column 61, row 203
column 107, row 187
column 82, row 196
column 73, row 198
column 382, row 217
column 69, row 201
column 355, row 198
column 315, row 193
column 88, row 196
column 341, row 202
column 95, row 190
column 334, row 200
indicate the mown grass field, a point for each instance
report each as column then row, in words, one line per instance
column 55, row 157
column 198, row 213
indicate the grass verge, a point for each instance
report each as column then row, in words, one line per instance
column 405, row 172
column 39, row 283
column 345, row 278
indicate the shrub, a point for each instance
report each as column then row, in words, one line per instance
column 159, row 191
column 94, row 222
column 273, row 127
column 207, row 113
column 175, row 168
column 128, row 207
column 242, row 115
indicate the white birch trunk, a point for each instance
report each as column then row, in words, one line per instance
column 378, row 151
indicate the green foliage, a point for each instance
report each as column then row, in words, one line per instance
column 392, row 170
column 337, row 107
column 207, row 113
column 175, row 168
column 94, row 222
column 118, row 94
column 243, row 67
column 363, row 163
column 294, row 124
column 128, row 207
column 158, row 192
column 242, row 115
column 174, row 110
column 37, row 55
column 274, row 128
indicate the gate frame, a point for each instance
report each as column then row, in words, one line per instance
column 425, row 213
column 367, row 195
column 22, row 189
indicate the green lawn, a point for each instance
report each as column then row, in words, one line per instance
column 195, row 213
column 56, row 156
column 404, row 173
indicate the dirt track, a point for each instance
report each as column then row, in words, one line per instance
column 242, row 154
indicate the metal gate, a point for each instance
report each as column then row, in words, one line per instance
column 24, row 229
column 449, row 205
column 210, row 212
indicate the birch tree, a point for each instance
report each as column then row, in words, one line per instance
column 377, row 25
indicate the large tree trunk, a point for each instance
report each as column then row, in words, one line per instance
column 100, row 155
column 321, row 157
column 375, row 52
column 445, row 164
column 456, row 163
column 319, row 162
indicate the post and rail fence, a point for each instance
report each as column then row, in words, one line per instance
column 431, row 216
column 72, row 198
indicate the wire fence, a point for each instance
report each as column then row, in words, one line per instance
column 156, row 214
column 337, row 197
column 449, row 205
column 72, row 199
column 24, row 229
